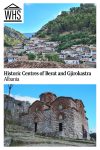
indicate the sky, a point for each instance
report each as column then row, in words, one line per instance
column 37, row 15
column 85, row 92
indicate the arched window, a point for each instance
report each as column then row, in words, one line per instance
column 60, row 117
column 60, row 107
column 36, row 109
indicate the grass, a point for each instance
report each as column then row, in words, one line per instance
column 16, row 143
column 67, row 139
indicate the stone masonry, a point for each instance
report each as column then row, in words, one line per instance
column 57, row 116
column 15, row 107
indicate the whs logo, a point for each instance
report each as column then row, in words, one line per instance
column 13, row 13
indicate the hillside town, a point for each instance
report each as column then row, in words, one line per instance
column 40, row 49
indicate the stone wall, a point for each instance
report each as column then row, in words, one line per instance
column 48, row 123
column 63, row 116
column 27, row 121
column 15, row 107
column 77, row 124
column 47, row 97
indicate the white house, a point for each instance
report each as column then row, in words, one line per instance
column 11, row 59
column 71, row 60
column 62, row 56
column 93, row 51
column 67, row 51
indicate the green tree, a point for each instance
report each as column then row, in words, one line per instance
column 31, row 56
column 77, row 19
column 52, row 57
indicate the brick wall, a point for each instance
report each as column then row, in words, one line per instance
column 63, row 116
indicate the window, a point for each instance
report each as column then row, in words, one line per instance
column 60, row 126
column 37, row 109
column 60, row 117
column 60, row 107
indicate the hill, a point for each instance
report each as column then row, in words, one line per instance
column 12, row 37
column 76, row 26
column 28, row 35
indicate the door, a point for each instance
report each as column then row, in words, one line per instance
column 35, row 126
column 60, row 126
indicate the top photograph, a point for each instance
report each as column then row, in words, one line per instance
column 52, row 35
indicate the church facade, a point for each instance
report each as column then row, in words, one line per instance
column 57, row 116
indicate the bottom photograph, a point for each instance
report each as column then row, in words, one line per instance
column 50, row 115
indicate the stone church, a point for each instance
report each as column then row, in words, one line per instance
column 57, row 116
